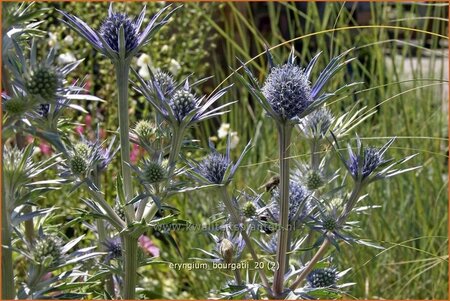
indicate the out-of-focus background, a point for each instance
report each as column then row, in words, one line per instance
column 402, row 58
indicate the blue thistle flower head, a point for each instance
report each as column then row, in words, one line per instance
column 110, row 27
column 372, row 158
column 365, row 164
column 213, row 167
column 113, row 248
column 288, row 90
column 217, row 168
column 288, row 95
column 106, row 40
column 326, row 277
column 299, row 205
column 317, row 124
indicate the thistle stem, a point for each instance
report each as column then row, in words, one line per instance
column 284, row 137
column 129, row 285
column 122, row 72
column 311, row 264
column 29, row 226
column 8, row 288
column 248, row 243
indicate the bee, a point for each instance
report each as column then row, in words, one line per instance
column 271, row 184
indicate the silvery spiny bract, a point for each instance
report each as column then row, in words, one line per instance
column 119, row 28
column 217, row 168
column 288, row 94
column 367, row 164
column 179, row 106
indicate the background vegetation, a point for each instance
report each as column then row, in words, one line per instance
column 402, row 58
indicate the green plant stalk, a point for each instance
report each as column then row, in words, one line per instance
column 284, row 138
column 130, row 249
column 122, row 73
column 29, row 226
column 352, row 201
column 248, row 243
column 8, row 288
column 130, row 242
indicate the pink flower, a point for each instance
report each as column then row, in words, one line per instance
column 135, row 151
column 88, row 120
column 147, row 245
column 79, row 129
column 45, row 148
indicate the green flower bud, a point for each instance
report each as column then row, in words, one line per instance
column 47, row 251
column 15, row 106
column 249, row 209
column 81, row 149
column 153, row 172
column 78, row 164
column 44, row 82
column 314, row 180
column 145, row 130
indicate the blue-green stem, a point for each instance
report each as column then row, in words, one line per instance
column 351, row 202
column 131, row 264
column 130, row 242
column 122, row 73
column 284, row 138
column 235, row 218
column 8, row 288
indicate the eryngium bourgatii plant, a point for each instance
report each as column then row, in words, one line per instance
column 301, row 214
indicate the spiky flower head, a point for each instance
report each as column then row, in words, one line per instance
column 314, row 180
column 213, row 167
column 329, row 223
column 165, row 81
column 45, row 82
column 13, row 170
column 288, row 90
column 153, row 171
column 371, row 160
column 145, row 129
column 78, row 164
column 120, row 211
column 106, row 40
column 249, row 209
column 82, row 149
column 113, row 248
column 47, row 251
column 317, row 124
column 16, row 105
column 110, row 28
column 326, row 277
column 298, row 202
column 182, row 103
